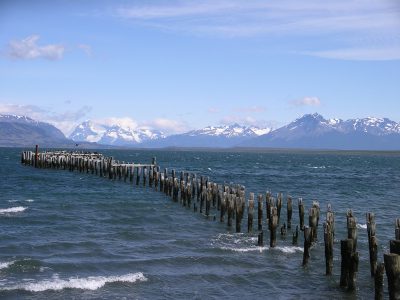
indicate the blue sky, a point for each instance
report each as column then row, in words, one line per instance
column 178, row 65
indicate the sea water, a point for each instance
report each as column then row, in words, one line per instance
column 71, row 235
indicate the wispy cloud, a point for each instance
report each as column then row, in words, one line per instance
column 307, row 101
column 251, row 109
column 344, row 20
column 28, row 48
column 87, row 49
column 65, row 121
column 213, row 110
column 168, row 126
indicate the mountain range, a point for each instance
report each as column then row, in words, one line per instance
column 311, row 131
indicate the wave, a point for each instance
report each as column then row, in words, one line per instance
column 88, row 283
column 29, row 200
column 12, row 210
column 362, row 226
column 240, row 242
column 4, row 265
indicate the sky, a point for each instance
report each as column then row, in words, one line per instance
column 180, row 65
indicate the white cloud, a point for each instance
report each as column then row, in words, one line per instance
column 345, row 20
column 385, row 53
column 28, row 48
column 167, row 126
column 251, row 109
column 126, row 122
column 87, row 49
column 307, row 101
column 65, row 121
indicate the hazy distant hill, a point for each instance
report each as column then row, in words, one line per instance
column 18, row 131
column 312, row 131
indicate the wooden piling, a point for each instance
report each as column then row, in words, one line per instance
column 301, row 213
column 289, row 210
column 328, row 239
column 378, row 281
column 372, row 243
column 273, row 224
column 250, row 214
column 260, row 239
column 295, row 236
column 392, row 267
column 307, row 245
column 260, row 211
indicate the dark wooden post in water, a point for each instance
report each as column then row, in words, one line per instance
column 279, row 205
column 328, row 240
column 372, row 243
column 312, row 223
column 36, row 155
column 231, row 206
column 380, row 270
column 260, row 240
column 307, row 245
column 260, row 211
column 289, row 212
column 349, row 264
column 301, row 213
column 239, row 212
column 223, row 203
column 392, row 267
column 273, row 224
column 295, row 236
column 250, row 214
column 268, row 205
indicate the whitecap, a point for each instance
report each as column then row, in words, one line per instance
column 246, row 249
column 29, row 200
column 362, row 226
column 88, row 283
column 209, row 169
column 290, row 249
column 12, row 210
column 12, row 201
column 4, row 265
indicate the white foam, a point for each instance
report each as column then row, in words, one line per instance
column 11, row 201
column 88, row 283
column 29, row 200
column 290, row 249
column 4, row 265
column 246, row 249
column 362, row 226
column 12, row 210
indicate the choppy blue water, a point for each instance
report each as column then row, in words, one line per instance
column 77, row 236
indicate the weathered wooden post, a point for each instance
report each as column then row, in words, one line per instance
column 328, row 239
column 378, row 280
column 392, row 267
column 307, row 245
column 230, row 209
column 260, row 211
column 397, row 229
column 352, row 228
column 36, row 155
column 301, row 213
column 372, row 242
column 295, row 236
column 273, row 224
column 279, row 205
column 289, row 210
column 283, row 229
column 349, row 264
column 260, row 239
column 250, row 214
column 239, row 212
column 222, row 205
column 268, row 205
column 312, row 223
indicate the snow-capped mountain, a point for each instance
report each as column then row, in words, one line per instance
column 229, row 131
column 116, row 134
column 16, row 130
column 223, row 136
column 314, row 131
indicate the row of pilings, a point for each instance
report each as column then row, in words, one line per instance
column 227, row 203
